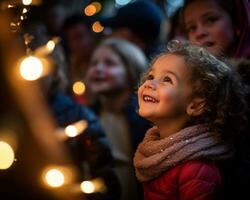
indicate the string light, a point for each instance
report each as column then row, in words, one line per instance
column 91, row 186
column 97, row 5
column 50, row 45
column 25, row 10
column 90, row 10
column 87, row 187
column 31, row 68
column 54, row 178
column 97, row 27
column 76, row 128
column 79, row 88
column 71, row 131
column 27, row 2
column 6, row 155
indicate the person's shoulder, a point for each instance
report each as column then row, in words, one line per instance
column 202, row 170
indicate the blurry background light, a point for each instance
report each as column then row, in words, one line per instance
column 71, row 131
column 76, row 128
column 90, row 10
column 50, row 45
column 97, row 5
column 79, row 88
column 122, row 2
column 27, row 2
column 6, row 155
column 31, row 68
column 87, row 187
column 97, row 27
column 54, row 178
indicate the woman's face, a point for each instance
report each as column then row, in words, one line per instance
column 107, row 73
column 210, row 26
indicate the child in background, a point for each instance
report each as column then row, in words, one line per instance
column 196, row 103
column 220, row 26
column 114, row 72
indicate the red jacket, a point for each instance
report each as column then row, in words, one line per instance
column 192, row 180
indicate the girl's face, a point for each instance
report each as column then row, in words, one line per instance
column 107, row 73
column 210, row 26
column 166, row 92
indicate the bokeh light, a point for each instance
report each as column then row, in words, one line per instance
column 90, row 10
column 50, row 45
column 97, row 5
column 54, row 178
column 71, row 131
column 76, row 128
column 25, row 10
column 122, row 2
column 97, row 27
column 31, row 68
column 87, row 187
column 6, row 155
column 79, row 88
column 27, row 2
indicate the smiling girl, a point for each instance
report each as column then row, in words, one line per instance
column 196, row 103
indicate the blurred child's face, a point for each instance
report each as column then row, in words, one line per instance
column 107, row 73
column 166, row 92
column 210, row 26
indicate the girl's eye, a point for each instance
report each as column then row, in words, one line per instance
column 149, row 77
column 191, row 29
column 211, row 20
column 167, row 79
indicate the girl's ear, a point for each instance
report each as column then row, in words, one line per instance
column 196, row 107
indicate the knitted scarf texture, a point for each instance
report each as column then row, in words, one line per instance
column 155, row 155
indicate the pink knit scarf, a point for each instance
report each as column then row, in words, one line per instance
column 155, row 155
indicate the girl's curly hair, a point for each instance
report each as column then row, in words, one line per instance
column 215, row 81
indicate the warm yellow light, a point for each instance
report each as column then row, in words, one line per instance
column 22, row 18
column 54, row 178
column 71, row 131
column 6, row 155
column 87, row 187
column 90, row 10
column 50, row 45
column 97, row 5
column 10, row 6
column 79, row 88
column 76, row 128
column 27, row 2
column 97, row 27
column 25, row 10
column 31, row 68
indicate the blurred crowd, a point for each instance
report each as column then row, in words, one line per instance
column 110, row 64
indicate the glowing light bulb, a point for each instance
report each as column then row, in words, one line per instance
column 50, row 45
column 97, row 27
column 97, row 5
column 54, row 178
column 71, row 131
column 25, row 10
column 31, row 68
column 6, row 155
column 87, row 187
column 27, row 2
column 79, row 88
column 90, row 10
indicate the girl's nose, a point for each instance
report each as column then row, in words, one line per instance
column 150, row 84
column 201, row 32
